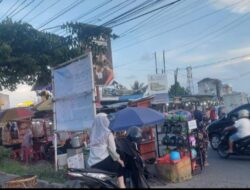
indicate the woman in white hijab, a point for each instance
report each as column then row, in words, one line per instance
column 103, row 153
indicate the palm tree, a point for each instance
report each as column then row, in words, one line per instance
column 139, row 88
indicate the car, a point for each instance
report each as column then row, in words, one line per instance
column 216, row 128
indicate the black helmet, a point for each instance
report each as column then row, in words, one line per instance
column 134, row 134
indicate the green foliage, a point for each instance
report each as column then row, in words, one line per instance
column 26, row 54
column 85, row 37
column 177, row 90
column 44, row 171
column 139, row 88
column 4, row 153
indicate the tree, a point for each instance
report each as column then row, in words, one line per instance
column 177, row 90
column 139, row 88
column 26, row 54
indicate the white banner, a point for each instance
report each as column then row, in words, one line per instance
column 74, row 95
column 157, row 84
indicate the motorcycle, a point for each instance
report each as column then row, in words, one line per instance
column 135, row 170
column 241, row 147
column 93, row 178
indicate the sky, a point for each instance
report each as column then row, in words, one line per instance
column 192, row 33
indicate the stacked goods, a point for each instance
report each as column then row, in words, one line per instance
column 22, row 182
column 175, row 172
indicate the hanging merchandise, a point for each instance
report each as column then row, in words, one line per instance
column 13, row 130
column 193, row 153
column 175, row 156
column 192, row 140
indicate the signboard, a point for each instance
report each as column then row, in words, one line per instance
column 157, row 84
column 160, row 99
column 74, row 94
column 192, row 124
column 103, row 67
column 76, row 161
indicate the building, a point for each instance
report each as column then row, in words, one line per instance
column 210, row 86
column 227, row 89
column 4, row 101
column 234, row 100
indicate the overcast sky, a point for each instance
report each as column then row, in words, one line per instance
column 192, row 32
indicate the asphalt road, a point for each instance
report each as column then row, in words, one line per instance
column 233, row 172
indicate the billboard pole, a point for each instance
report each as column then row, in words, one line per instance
column 54, row 118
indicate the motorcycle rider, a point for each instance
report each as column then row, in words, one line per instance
column 243, row 128
column 130, row 153
column 103, row 152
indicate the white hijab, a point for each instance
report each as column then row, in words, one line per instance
column 100, row 131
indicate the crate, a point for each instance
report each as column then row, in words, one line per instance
column 177, row 172
column 29, row 181
column 147, row 147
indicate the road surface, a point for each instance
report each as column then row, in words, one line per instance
column 231, row 173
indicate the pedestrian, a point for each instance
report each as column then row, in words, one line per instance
column 27, row 144
column 198, row 115
column 213, row 115
column 103, row 153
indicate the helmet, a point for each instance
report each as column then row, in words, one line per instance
column 243, row 113
column 134, row 134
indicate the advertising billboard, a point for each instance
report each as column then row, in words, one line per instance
column 103, row 66
column 73, row 85
column 157, row 84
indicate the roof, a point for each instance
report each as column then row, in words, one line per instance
column 209, row 79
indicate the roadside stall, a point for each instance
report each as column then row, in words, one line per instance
column 147, row 147
column 14, row 123
column 145, row 118
column 181, row 155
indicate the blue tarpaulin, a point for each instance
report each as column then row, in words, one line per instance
column 135, row 116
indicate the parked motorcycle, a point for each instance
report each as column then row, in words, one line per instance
column 241, row 147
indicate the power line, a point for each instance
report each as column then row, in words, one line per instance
column 11, row 7
column 106, row 12
column 139, row 16
column 207, row 35
column 176, row 18
column 93, row 10
column 67, row 9
column 219, row 62
column 129, row 12
column 32, row 1
column 34, row 8
column 219, row 32
column 176, row 27
column 44, row 10
column 143, row 23
column 9, row 15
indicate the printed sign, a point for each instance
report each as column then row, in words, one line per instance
column 74, row 95
column 192, row 124
column 157, row 84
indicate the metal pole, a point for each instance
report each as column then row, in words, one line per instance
column 155, row 63
column 164, row 62
column 54, row 118
column 157, row 139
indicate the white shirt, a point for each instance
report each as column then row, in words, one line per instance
column 243, row 127
column 102, row 151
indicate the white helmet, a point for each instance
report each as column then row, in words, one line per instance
column 243, row 113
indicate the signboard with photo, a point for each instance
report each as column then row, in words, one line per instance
column 103, row 67
column 157, row 84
